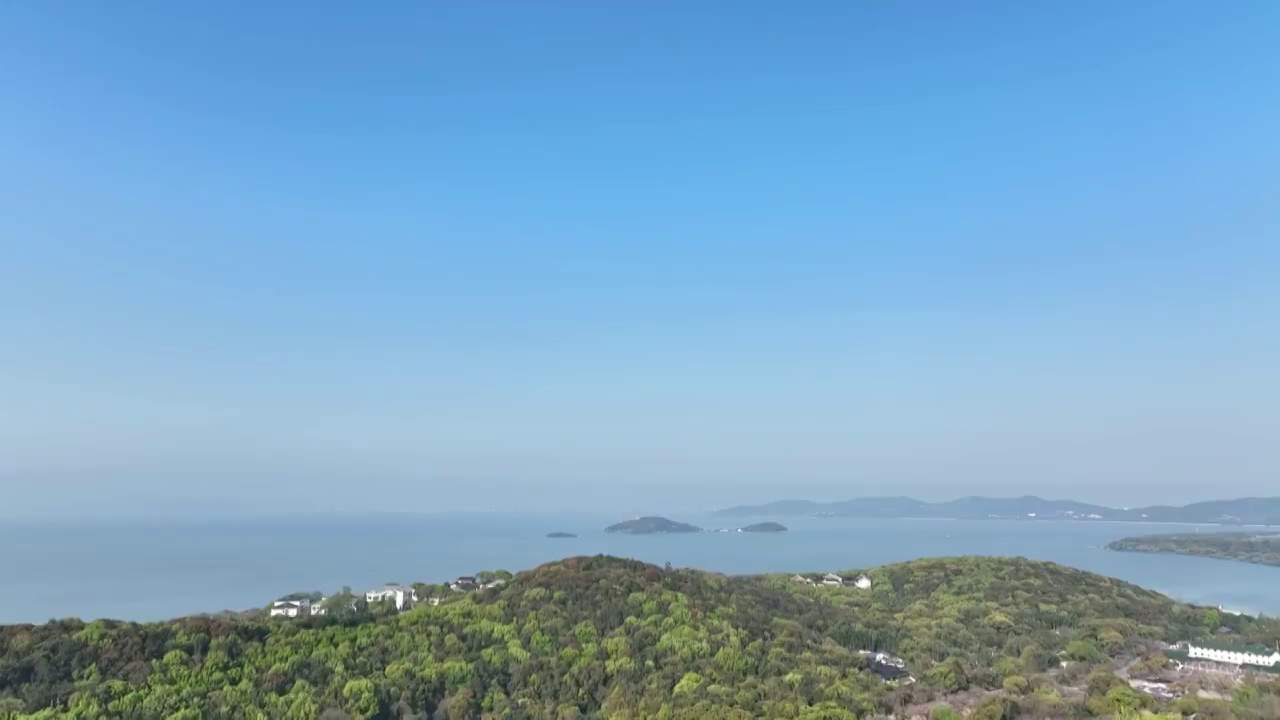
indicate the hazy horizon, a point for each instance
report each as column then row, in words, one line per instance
column 567, row 501
column 284, row 258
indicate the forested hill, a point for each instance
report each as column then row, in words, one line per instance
column 602, row 637
column 1257, row 548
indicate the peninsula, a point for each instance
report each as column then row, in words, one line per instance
column 1256, row 548
column 561, row 535
column 651, row 525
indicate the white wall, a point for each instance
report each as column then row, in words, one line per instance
column 1235, row 658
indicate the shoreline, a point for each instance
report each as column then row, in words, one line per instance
column 1177, row 553
column 1085, row 521
column 257, row 611
column 82, row 573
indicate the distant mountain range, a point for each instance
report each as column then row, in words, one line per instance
column 1242, row 511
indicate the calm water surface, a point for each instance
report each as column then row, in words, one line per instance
column 153, row 570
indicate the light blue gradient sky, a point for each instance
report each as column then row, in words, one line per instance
column 277, row 257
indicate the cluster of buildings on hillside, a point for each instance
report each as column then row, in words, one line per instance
column 401, row 596
column 861, row 582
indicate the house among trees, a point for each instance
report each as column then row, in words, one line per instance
column 890, row 673
column 290, row 608
column 833, row 580
column 887, row 659
column 399, row 594
column 464, row 584
column 298, row 605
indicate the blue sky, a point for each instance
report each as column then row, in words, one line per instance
column 322, row 257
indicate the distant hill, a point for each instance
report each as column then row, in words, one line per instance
column 651, row 525
column 765, row 527
column 1243, row 511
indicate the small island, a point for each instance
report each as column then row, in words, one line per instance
column 561, row 535
column 1256, row 548
column 651, row 525
column 764, row 527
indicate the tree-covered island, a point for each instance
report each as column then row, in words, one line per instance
column 765, row 527
column 651, row 525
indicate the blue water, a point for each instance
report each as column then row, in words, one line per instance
column 155, row 570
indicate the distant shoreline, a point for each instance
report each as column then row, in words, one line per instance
column 1239, row 512
column 1037, row 519
column 258, row 612
column 1242, row 547
column 236, row 569
column 1176, row 553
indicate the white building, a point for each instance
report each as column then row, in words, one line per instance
column 802, row 579
column 399, row 594
column 884, row 658
column 863, row 582
column 291, row 608
column 1258, row 655
column 832, row 579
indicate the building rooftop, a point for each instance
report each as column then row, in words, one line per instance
column 1253, row 648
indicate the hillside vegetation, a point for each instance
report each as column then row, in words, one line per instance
column 602, row 637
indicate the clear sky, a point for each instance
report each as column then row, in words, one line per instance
column 321, row 256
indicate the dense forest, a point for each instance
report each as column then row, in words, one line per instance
column 607, row 638
column 1260, row 549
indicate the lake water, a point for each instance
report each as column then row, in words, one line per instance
column 155, row 570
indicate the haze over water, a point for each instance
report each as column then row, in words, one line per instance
column 298, row 258
column 149, row 570
column 272, row 258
